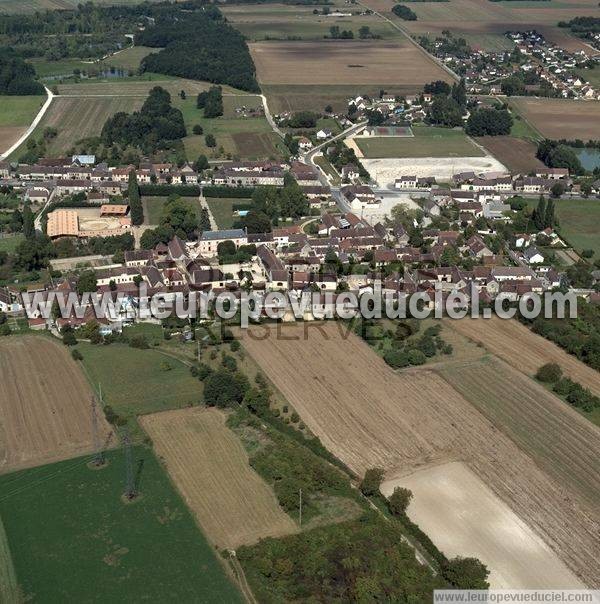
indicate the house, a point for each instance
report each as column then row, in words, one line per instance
column 350, row 171
column 138, row 257
column 533, row 184
column 83, row 160
column 531, row 255
column 324, row 133
column 552, row 173
column 304, row 144
column 209, row 240
column 406, row 182
column 37, row 194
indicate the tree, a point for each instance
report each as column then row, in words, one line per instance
column 558, row 188
column 328, row 109
column 135, row 201
column 87, row 282
column 404, row 12
column 222, row 389
column 364, row 32
column 459, row 93
column 257, row 222
column 28, row 222
column 539, row 214
column 399, row 500
column 226, row 248
column 513, row 86
column 489, row 122
column 197, row 129
column 201, row 163
column 549, row 215
column 438, row 87
column 210, row 140
column 466, row 573
column 549, row 373
column 371, row 482
column 416, row 357
column 445, row 111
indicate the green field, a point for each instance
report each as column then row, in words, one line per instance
column 579, row 219
column 9, row 244
column 153, row 207
column 19, row 110
column 248, row 138
column 523, row 129
column 137, row 381
column 73, row 539
column 8, row 579
column 427, row 142
column 222, row 209
column 591, row 75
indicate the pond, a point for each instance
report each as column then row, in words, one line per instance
column 589, row 158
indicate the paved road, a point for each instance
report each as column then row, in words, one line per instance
column 269, row 117
column 32, row 126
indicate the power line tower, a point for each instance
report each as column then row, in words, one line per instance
column 99, row 459
column 130, row 491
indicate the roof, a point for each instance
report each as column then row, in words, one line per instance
column 225, row 234
column 112, row 208
column 63, row 223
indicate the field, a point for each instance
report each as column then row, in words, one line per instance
column 153, row 206
column 427, row 142
column 499, row 337
column 578, row 223
column 517, row 154
column 560, row 118
column 73, row 539
column 45, row 404
column 9, row 243
column 209, row 466
column 222, row 209
column 77, row 118
column 16, row 113
column 8, row 579
column 137, row 381
column 31, row 6
column 331, row 378
column 463, row 517
column 308, row 75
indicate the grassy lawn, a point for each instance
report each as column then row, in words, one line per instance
column 579, row 219
column 591, row 75
column 153, row 207
column 489, row 41
column 136, row 381
column 522, row 129
column 427, row 142
column 326, row 166
column 222, row 209
column 19, row 110
column 73, row 539
column 239, row 137
column 9, row 244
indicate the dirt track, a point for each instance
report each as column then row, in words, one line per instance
column 369, row 416
column 523, row 349
column 210, row 467
column 45, row 411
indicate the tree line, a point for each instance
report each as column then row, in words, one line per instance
column 17, row 77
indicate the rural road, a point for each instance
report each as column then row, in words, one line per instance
column 269, row 117
column 32, row 126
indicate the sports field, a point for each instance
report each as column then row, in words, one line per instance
column 45, row 404
column 427, row 142
column 330, row 377
column 16, row 113
column 72, row 537
column 561, row 118
column 210, row 467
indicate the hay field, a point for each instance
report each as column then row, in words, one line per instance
column 210, row 467
column 523, row 349
column 44, row 404
column 463, row 517
column 368, row 416
column 561, row 118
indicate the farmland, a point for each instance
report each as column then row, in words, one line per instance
column 499, row 337
column 560, row 118
column 16, row 113
column 44, row 404
column 77, row 118
column 578, row 223
column 517, row 154
column 8, row 579
column 137, row 381
column 293, row 77
column 460, row 513
column 73, row 538
column 427, row 142
column 209, row 466
column 330, row 378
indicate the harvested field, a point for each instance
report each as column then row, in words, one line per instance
column 348, row 62
column 561, row 118
column 463, row 517
column 517, row 154
column 44, row 404
column 525, row 350
column 368, row 416
column 209, row 465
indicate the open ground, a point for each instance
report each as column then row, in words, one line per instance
column 73, row 537
column 561, row 118
column 517, row 154
column 331, row 378
column 45, row 404
column 353, row 67
column 426, row 142
column 523, row 349
column 457, row 510
column 210, row 467
column 16, row 113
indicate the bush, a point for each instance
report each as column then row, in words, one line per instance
column 76, row 355
column 69, row 338
column 139, row 342
column 197, row 129
column 396, row 358
column 223, row 388
column 549, row 373
column 416, row 357
column 203, row 371
column 371, row 482
column 399, row 500
column 234, row 346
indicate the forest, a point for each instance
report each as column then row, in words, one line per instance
column 16, row 77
